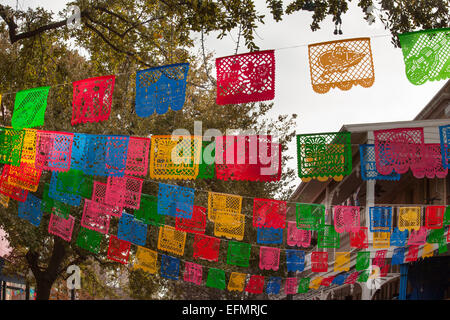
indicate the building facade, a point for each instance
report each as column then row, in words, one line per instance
column 417, row 280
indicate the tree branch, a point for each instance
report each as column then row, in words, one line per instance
column 129, row 53
column 7, row 16
column 32, row 259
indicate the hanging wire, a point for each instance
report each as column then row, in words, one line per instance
column 189, row 83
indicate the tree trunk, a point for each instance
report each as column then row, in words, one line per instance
column 43, row 288
column 46, row 278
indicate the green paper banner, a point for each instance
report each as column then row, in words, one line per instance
column 426, row 54
column 29, row 108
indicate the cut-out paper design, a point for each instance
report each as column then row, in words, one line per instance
column 237, row 281
column 193, row 273
column 364, row 276
column 413, row 252
column 8, row 189
column 29, row 108
column 340, row 279
column 291, row 286
column 435, row 236
column 96, row 216
column 368, row 165
column 79, row 156
column 60, row 212
column 447, row 216
column 303, row 285
column 297, row 237
column 65, row 197
column 30, row 210
column 380, row 219
column 247, row 77
column 61, row 227
column 116, row 155
column 295, row 260
column 434, row 217
column 98, row 195
column 428, row 162
column 444, row 136
column 315, row 283
column 255, row 284
column 384, row 270
column 29, row 147
column 238, row 254
column 409, row 218
column 206, row 169
column 170, row 267
column 206, row 247
column 47, row 203
column 222, row 202
column 148, row 211
column 250, row 158
column 418, row 237
column 342, row 261
column 216, row 279
column 428, row 250
column 351, row 279
column 399, row 238
column 92, row 99
column 75, row 182
column 342, row 64
column 319, row 261
column 229, row 225
column 327, row 281
column 11, row 145
column 273, row 285
column 359, row 239
column 89, row 240
column 118, row 250
column 269, row 213
column 171, row 240
column 398, row 256
column 328, row 237
column 269, row 258
column 310, row 216
column 197, row 223
column 443, row 247
column 146, row 260
column 175, row 200
column 426, row 55
column 346, row 218
column 137, row 156
column 53, row 150
column 26, row 176
column 124, row 191
column 269, row 236
column 380, row 258
column 381, row 240
column 159, row 88
column 4, row 200
column 325, row 155
column 50, row 205
column 396, row 149
column 132, row 230
column 95, row 155
column 175, row 157
column 362, row 260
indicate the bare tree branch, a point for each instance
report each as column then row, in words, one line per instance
column 7, row 16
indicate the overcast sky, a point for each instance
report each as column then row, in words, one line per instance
column 391, row 98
